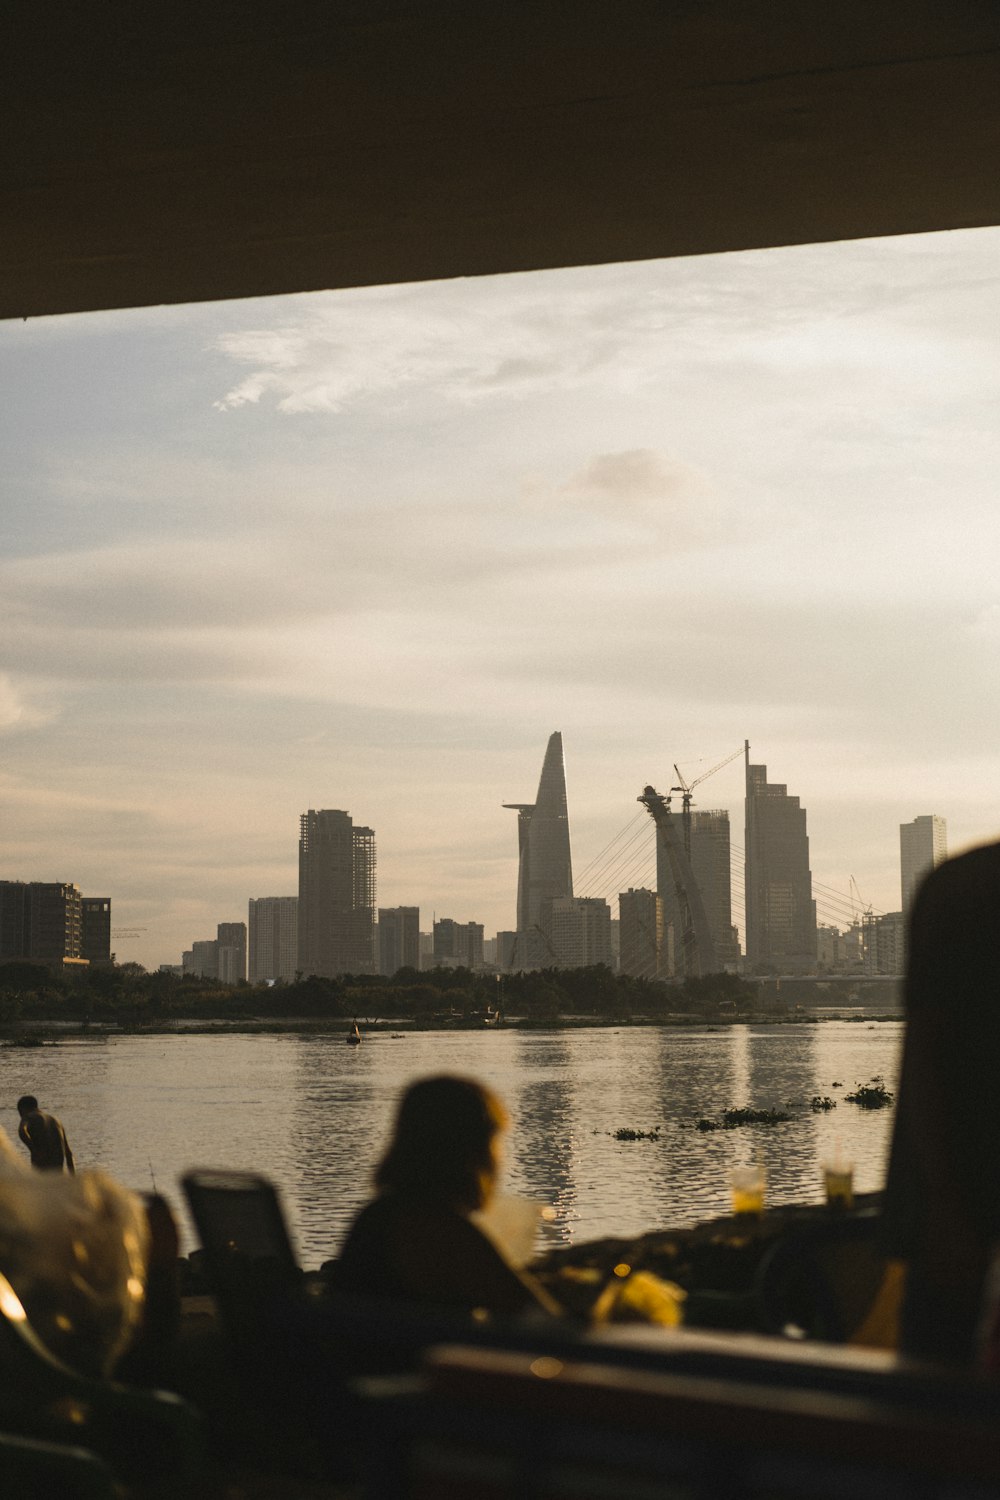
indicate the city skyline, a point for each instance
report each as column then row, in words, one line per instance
column 362, row 549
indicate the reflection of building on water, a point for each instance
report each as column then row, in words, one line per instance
column 543, row 1120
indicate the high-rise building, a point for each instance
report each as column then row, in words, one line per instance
column 274, row 937
column 922, row 845
column 577, row 931
column 711, row 866
column 544, row 870
column 42, row 920
column 781, row 914
column 643, row 934
column 885, row 943
column 506, row 949
column 202, row 959
column 95, row 930
column 398, row 938
column 458, row 943
column 336, row 895
column 231, row 941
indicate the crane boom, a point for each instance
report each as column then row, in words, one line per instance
column 699, row 950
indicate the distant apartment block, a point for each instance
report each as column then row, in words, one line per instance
column 922, row 845
column 44, row 921
column 336, row 895
column 780, row 912
column 643, row 935
column 398, row 938
column 273, row 928
column 885, row 944
column 577, row 931
column 95, row 930
column 202, row 959
column 231, row 940
column 506, row 950
column 458, row 943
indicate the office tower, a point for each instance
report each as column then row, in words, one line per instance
column 398, row 938
column 231, row 938
column 336, row 895
column 41, row 920
column 781, row 915
column 643, row 933
column 458, row 943
column 95, row 929
column 711, row 867
column 273, row 930
column 922, row 845
column 577, row 931
column 544, row 869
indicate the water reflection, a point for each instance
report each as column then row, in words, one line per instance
column 314, row 1115
column 541, row 1151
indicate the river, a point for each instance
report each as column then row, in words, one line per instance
column 312, row 1114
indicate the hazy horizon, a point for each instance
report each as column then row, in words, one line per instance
column 366, row 549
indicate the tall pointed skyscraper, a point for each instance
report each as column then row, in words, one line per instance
column 544, row 868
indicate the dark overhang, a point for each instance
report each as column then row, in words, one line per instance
column 172, row 152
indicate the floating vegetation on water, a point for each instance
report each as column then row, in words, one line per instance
column 820, row 1105
column 836, row 1084
column 872, row 1095
column 733, row 1118
column 625, row 1134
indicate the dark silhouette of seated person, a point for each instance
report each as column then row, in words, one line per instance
column 44, row 1137
column 942, row 1204
column 415, row 1241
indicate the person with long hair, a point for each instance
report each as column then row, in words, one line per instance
column 415, row 1241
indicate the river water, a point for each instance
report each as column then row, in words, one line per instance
column 313, row 1114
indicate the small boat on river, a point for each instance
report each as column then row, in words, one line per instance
column 354, row 1037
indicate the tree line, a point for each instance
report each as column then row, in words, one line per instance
column 443, row 996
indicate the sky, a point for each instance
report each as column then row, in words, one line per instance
column 367, row 549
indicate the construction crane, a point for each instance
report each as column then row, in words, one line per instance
column 687, row 787
column 698, row 947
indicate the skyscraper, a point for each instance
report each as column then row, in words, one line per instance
column 781, row 915
column 710, row 864
column 544, row 870
column 231, row 940
column 398, row 938
column 336, row 895
column 274, row 937
column 922, row 845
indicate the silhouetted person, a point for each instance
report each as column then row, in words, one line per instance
column 415, row 1241
column 44, row 1137
column 942, row 1205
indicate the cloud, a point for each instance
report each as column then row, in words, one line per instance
column 16, row 711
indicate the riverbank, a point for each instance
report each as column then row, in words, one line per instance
column 50, row 1031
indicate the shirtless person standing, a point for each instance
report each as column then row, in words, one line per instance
column 44, row 1137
